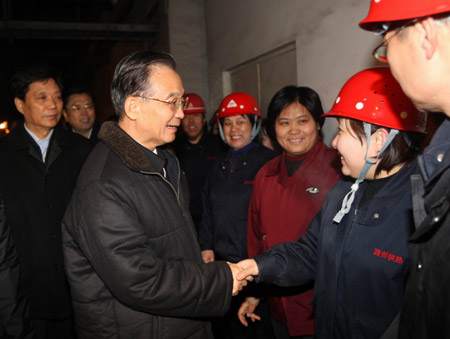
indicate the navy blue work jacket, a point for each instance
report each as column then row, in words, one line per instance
column 359, row 266
column 226, row 197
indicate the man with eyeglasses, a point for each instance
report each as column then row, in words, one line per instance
column 79, row 113
column 131, row 250
column 39, row 169
column 416, row 45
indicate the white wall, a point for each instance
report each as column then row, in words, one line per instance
column 330, row 45
column 208, row 37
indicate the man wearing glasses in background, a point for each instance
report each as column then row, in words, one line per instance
column 130, row 246
column 417, row 47
column 79, row 113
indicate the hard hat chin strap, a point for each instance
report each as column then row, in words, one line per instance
column 350, row 196
column 256, row 127
column 222, row 135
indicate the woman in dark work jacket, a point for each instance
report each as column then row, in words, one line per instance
column 356, row 248
column 226, row 195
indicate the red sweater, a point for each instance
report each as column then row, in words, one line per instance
column 281, row 208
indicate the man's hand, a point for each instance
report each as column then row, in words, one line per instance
column 208, row 256
column 249, row 269
column 247, row 309
column 238, row 285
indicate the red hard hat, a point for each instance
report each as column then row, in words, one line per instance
column 374, row 96
column 384, row 11
column 237, row 104
column 194, row 104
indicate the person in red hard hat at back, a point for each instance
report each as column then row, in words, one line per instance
column 355, row 250
column 226, row 196
column 416, row 45
column 197, row 150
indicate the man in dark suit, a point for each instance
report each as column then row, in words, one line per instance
column 40, row 165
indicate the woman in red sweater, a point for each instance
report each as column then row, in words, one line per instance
column 288, row 192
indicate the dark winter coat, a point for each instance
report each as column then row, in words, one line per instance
column 426, row 310
column 196, row 160
column 359, row 266
column 226, row 198
column 14, row 322
column 93, row 138
column 131, row 250
column 36, row 195
column 281, row 209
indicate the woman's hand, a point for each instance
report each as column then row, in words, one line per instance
column 247, row 310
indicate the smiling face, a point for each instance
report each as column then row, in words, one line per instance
column 156, row 122
column 42, row 107
column 351, row 149
column 80, row 113
column 296, row 130
column 237, row 130
column 193, row 126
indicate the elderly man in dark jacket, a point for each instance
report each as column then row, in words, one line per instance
column 130, row 247
column 418, row 34
column 40, row 165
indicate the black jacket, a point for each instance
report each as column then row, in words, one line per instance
column 13, row 307
column 36, row 195
column 93, row 138
column 426, row 310
column 131, row 251
column 196, row 160
column 226, row 197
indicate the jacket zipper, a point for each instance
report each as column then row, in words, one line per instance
column 353, row 222
column 167, row 181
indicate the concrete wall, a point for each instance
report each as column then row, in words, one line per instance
column 187, row 43
column 212, row 36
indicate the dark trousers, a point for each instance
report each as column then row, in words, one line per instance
column 229, row 326
column 281, row 331
column 54, row 329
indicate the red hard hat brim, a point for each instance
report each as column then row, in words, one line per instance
column 385, row 11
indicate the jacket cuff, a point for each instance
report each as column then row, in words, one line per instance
column 267, row 268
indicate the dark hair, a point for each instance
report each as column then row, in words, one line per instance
column 132, row 75
column 286, row 96
column 76, row 90
column 20, row 82
column 403, row 149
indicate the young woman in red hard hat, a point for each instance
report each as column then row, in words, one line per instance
column 355, row 250
column 226, row 195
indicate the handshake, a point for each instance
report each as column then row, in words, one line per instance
column 243, row 271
